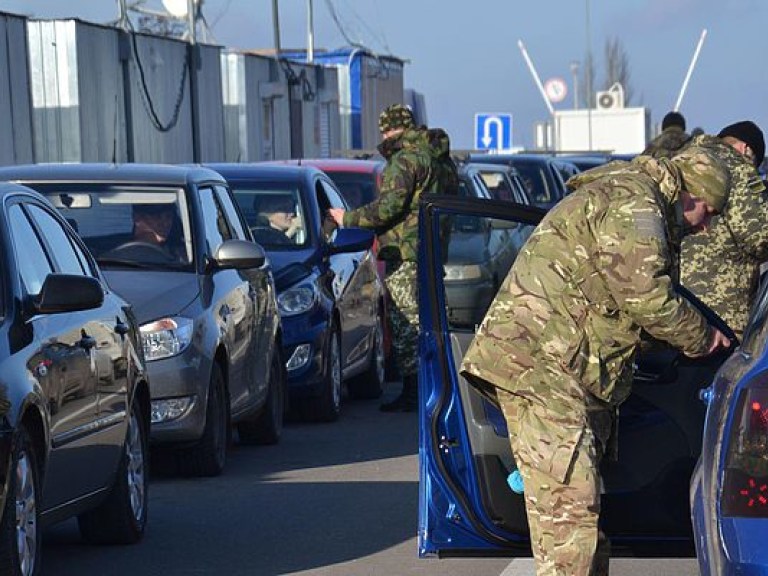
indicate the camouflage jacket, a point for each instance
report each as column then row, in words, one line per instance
column 418, row 162
column 594, row 272
column 721, row 265
column 671, row 141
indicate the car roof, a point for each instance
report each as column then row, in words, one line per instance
column 164, row 174
column 336, row 164
column 265, row 170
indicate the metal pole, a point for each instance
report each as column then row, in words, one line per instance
column 310, row 34
column 191, row 21
column 575, row 73
column 123, row 19
column 690, row 69
column 276, row 26
column 535, row 75
column 589, row 79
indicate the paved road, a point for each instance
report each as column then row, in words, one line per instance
column 331, row 499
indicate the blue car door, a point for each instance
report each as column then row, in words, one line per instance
column 465, row 502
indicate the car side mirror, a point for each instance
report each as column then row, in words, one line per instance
column 239, row 254
column 68, row 293
column 351, row 240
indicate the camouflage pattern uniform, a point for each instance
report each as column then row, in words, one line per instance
column 418, row 162
column 721, row 265
column 557, row 343
column 671, row 141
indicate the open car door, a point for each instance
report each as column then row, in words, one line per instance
column 466, row 506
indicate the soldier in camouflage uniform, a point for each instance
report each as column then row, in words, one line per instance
column 557, row 344
column 672, row 138
column 721, row 264
column 418, row 162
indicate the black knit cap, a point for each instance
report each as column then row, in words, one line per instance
column 673, row 119
column 749, row 133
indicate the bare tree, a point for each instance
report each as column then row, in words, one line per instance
column 617, row 68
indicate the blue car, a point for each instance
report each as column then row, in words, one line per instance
column 729, row 490
column 329, row 294
column 466, row 505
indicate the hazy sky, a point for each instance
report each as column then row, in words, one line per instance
column 463, row 56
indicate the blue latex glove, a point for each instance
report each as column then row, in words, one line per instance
column 515, row 481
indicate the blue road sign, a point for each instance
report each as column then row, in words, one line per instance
column 493, row 131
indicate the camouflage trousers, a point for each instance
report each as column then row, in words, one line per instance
column 403, row 314
column 563, row 510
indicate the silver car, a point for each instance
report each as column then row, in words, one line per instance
column 172, row 242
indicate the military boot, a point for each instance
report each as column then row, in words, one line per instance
column 408, row 399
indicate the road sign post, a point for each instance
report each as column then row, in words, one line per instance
column 493, row 131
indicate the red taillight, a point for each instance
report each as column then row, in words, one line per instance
column 745, row 483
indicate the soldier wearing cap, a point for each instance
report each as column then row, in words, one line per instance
column 556, row 346
column 721, row 264
column 672, row 138
column 418, row 162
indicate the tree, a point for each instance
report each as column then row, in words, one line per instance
column 617, row 68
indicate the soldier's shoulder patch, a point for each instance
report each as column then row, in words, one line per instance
column 756, row 185
column 648, row 224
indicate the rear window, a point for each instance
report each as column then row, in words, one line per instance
column 357, row 188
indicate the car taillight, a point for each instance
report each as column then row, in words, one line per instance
column 745, row 483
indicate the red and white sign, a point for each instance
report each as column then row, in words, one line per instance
column 555, row 89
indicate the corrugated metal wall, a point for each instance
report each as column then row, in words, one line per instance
column 15, row 110
column 381, row 84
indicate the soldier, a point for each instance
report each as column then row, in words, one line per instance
column 557, row 344
column 418, row 161
column 721, row 264
column 672, row 138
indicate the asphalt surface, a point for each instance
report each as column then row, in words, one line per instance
column 335, row 499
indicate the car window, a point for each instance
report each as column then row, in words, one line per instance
column 32, row 259
column 66, row 256
column 328, row 197
column 536, row 182
column 231, row 212
column 216, row 227
column 275, row 211
column 498, row 185
column 125, row 225
column 357, row 188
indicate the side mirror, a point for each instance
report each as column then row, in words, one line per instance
column 239, row 254
column 351, row 240
column 68, row 293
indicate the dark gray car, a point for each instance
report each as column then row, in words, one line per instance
column 172, row 242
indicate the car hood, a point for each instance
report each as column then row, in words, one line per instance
column 290, row 267
column 467, row 248
column 154, row 294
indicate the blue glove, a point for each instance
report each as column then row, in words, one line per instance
column 515, row 481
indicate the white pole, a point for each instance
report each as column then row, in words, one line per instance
column 536, row 78
column 690, row 70
column 192, row 21
column 310, row 34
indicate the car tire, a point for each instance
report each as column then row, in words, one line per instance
column 368, row 385
column 267, row 426
column 327, row 407
column 122, row 517
column 209, row 456
column 20, row 536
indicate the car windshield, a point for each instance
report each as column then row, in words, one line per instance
column 535, row 181
column 357, row 188
column 275, row 212
column 128, row 226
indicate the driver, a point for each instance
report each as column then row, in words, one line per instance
column 153, row 224
column 278, row 213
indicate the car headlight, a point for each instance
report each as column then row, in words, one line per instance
column 745, row 481
column 455, row 272
column 296, row 300
column 166, row 337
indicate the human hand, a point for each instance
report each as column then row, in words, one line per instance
column 718, row 341
column 337, row 214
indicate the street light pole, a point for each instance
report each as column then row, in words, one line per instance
column 310, row 33
column 276, row 27
column 575, row 74
column 588, row 75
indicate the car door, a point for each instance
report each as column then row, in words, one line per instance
column 465, row 502
column 260, row 289
column 231, row 299
column 66, row 359
column 355, row 287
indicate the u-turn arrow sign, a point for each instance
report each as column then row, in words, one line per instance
column 493, row 131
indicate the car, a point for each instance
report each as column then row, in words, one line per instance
column 729, row 488
column 503, row 182
column 204, row 297
column 544, row 175
column 74, row 393
column 466, row 505
column 330, row 296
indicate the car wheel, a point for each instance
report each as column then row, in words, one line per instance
column 208, row 457
column 20, row 527
column 122, row 517
column 369, row 384
column 327, row 407
column 267, row 427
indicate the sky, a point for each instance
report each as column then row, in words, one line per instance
column 464, row 56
